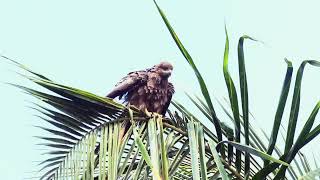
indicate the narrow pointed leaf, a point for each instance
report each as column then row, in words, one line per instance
column 154, row 149
column 202, row 155
column 194, row 151
column 201, row 81
column 280, row 108
column 244, row 97
column 217, row 160
column 233, row 97
column 164, row 158
column 144, row 152
column 296, row 104
column 253, row 151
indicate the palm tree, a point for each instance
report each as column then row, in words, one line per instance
column 88, row 141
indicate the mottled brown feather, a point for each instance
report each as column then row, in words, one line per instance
column 147, row 89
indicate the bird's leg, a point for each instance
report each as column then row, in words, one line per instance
column 149, row 114
column 156, row 115
column 152, row 114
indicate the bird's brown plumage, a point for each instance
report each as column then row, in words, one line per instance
column 147, row 89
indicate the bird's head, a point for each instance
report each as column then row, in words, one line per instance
column 164, row 69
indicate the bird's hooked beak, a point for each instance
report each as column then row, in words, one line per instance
column 166, row 73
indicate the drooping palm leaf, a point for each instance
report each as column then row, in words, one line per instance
column 244, row 97
column 88, row 140
column 305, row 136
column 296, row 104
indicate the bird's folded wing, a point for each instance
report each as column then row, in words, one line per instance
column 170, row 92
column 128, row 83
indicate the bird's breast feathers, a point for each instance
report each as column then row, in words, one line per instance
column 153, row 95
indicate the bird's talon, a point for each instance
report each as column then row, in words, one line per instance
column 157, row 115
column 149, row 114
column 152, row 114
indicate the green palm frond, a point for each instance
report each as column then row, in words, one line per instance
column 86, row 141
column 290, row 150
column 87, row 138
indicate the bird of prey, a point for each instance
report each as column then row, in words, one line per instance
column 148, row 90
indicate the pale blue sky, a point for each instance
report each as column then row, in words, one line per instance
column 92, row 44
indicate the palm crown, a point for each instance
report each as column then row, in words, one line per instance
column 89, row 141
